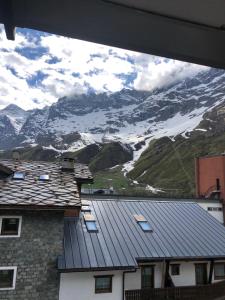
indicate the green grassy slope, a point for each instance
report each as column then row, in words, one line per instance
column 170, row 165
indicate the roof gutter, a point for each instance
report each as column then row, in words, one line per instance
column 185, row 258
column 38, row 207
column 97, row 269
column 123, row 283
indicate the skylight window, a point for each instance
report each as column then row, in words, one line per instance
column 145, row 226
column 19, row 176
column 91, row 226
column 44, row 177
column 90, row 223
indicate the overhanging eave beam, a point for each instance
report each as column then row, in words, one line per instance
column 7, row 18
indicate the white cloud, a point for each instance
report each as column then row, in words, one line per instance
column 35, row 82
column 152, row 74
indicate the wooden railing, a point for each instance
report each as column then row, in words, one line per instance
column 200, row 292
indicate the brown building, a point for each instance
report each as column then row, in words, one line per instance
column 210, row 177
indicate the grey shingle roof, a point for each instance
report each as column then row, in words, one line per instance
column 60, row 191
column 181, row 230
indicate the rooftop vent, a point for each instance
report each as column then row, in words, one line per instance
column 15, row 155
column 85, row 208
column 68, row 164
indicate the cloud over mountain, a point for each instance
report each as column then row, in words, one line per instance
column 38, row 68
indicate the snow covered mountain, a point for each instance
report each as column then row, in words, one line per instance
column 16, row 116
column 129, row 116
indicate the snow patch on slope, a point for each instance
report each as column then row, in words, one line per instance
column 179, row 124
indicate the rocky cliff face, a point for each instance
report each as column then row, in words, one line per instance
column 129, row 116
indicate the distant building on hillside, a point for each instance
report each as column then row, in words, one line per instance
column 210, row 178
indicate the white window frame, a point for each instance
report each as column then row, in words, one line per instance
column 14, row 278
column 19, row 227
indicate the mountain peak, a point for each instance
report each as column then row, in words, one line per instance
column 12, row 108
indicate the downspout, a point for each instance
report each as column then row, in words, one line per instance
column 211, row 268
column 167, row 274
column 123, row 283
column 197, row 190
column 163, row 273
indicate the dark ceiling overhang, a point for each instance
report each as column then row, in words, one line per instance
column 191, row 30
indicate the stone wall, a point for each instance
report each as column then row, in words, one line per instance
column 35, row 254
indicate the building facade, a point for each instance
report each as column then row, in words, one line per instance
column 138, row 245
column 210, row 177
column 32, row 255
column 54, row 245
column 84, row 283
column 35, row 197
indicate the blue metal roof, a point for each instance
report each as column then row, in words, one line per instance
column 181, row 230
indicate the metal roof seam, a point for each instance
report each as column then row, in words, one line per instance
column 149, row 236
column 117, row 222
column 101, row 240
column 117, row 237
column 156, row 236
column 215, row 232
column 105, row 233
column 172, row 228
column 127, row 232
column 196, row 239
column 141, row 240
column 85, row 245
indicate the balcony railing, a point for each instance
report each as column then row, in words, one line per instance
column 200, row 292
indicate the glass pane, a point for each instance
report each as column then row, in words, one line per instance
column 44, row 177
column 201, row 273
column 6, row 278
column 91, row 225
column 145, row 226
column 219, row 270
column 175, row 269
column 19, row 175
column 147, row 277
column 103, row 284
column 10, row 226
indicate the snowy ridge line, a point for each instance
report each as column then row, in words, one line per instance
column 129, row 116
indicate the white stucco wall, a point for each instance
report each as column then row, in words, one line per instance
column 133, row 280
column 216, row 214
column 81, row 285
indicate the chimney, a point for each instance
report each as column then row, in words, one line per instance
column 68, row 164
column 16, row 155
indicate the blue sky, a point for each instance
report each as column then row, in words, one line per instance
column 38, row 68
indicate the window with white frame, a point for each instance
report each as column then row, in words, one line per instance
column 7, row 278
column 10, row 226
